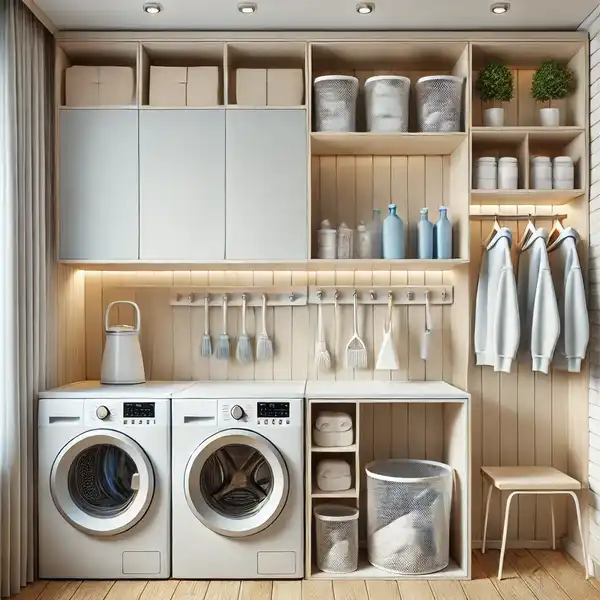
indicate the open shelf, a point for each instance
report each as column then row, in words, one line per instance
column 386, row 144
column 509, row 134
column 317, row 493
column 335, row 449
column 408, row 264
column 532, row 197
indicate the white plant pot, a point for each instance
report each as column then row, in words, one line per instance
column 493, row 117
column 550, row 117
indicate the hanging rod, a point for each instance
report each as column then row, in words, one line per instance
column 379, row 295
column 502, row 217
column 275, row 296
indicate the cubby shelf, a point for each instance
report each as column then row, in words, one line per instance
column 317, row 493
column 532, row 197
column 509, row 134
column 336, row 449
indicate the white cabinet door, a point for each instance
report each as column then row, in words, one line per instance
column 98, row 182
column 267, row 201
column 182, row 185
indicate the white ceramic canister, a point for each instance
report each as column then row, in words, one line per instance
column 363, row 241
column 345, row 242
column 486, row 173
column 563, row 175
column 541, row 173
column 327, row 241
column 508, row 173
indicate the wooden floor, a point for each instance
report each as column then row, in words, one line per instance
column 528, row 575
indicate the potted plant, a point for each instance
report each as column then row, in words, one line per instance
column 552, row 81
column 495, row 84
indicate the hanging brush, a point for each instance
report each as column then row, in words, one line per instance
column 356, row 351
column 322, row 356
column 223, row 349
column 206, row 346
column 243, row 352
column 264, row 346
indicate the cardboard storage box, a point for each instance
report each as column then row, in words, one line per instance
column 168, row 86
column 251, row 87
column 285, row 87
column 203, row 86
column 99, row 86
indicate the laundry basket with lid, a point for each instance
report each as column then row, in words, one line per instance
column 337, row 538
column 408, row 515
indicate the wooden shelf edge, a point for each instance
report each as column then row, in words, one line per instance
column 533, row 197
column 336, row 449
column 317, row 494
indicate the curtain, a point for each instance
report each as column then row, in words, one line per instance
column 26, row 274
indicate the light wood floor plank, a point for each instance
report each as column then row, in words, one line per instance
column 565, row 575
column 190, row 590
column 160, row 590
column 317, row 590
column 127, row 590
column 479, row 587
column 33, row 590
column 287, row 590
column 579, row 569
column 223, row 590
column 256, row 590
column 534, row 576
column 93, row 590
column 415, row 590
column 447, row 590
column 350, row 590
column 382, row 590
column 511, row 586
column 59, row 590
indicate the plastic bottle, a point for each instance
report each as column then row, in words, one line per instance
column 375, row 233
column 393, row 235
column 363, row 241
column 443, row 235
column 425, row 235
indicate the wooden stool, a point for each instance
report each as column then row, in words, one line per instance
column 529, row 480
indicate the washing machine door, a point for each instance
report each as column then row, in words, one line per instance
column 102, row 482
column 236, row 483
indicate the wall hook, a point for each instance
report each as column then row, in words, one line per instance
column 373, row 296
column 336, row 295
column 411, row 296
column 444, row 295
column 191, row 298
column 292, row 297
column 320, row 295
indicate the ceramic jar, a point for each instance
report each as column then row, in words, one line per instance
column 327, row 241
column 508, row 173
column 541, row 173
column 486, row 173
column 345, row 242
column 563, row 177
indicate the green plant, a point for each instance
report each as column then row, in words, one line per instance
column 552, row 81
column 495, row 82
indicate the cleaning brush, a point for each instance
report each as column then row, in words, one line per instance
column 223, row 343
column 264, row 346
column 322, row 356
column 243, row 351
column 206, row 346
column 356, row 351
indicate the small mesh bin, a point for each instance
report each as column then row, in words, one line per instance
column 337, row 538
column 387, row 103
column 335, row 103
column 408, row 515
column 439, row 103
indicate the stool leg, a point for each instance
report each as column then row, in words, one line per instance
column 579, row 523
column 505, row 534
column 553, row 523
column 487, row 514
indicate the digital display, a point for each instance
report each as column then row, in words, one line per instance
column 138, row 410
column 273, row 410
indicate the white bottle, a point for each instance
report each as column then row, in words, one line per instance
column 345, row 242
column 363, row 241
column 327, row 241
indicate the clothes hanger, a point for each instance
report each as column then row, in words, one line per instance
column 529, row 231
column 557, row 229
column 493, row 233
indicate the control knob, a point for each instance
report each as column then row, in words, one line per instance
column 237, row 412
column 102, row 412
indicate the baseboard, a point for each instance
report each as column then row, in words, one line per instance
column 514, row 544
column 575, row 550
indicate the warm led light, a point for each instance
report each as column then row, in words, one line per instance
column 247, row 8
column 365, row 8
column 500, row 8
column 152, row 8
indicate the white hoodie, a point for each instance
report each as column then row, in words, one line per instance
column 572, row 307
column 497, row 309
column 538, row 308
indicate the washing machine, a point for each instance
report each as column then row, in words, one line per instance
column 238, row 481
column 104, row 481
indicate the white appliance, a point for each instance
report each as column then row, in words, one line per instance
column 238, row 473
column 104, row 481
column 122, row 362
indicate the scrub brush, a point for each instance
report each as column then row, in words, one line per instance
column 206, row 346
column 264, row 346
column 223, row 350
column 322, row 356
column 243, row 351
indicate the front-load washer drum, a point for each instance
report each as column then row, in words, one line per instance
column 236, row 483
column 102, row 482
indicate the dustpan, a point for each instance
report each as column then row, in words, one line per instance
column 387, row 359
column 427, row 335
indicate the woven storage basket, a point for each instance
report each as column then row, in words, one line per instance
column 439, row 103
column 387, row 103
column 335, row 103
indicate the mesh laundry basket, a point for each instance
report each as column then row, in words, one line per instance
column 387, row 103
column 439, row 102
column 335, row 103
column 337, row 538
column 408, row 515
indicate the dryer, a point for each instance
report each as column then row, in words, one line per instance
column 104, row 481
column 238, row 473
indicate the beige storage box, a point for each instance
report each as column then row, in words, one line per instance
column 251, row 87
column 168, row 86
column 333, row 429
column 203, row 86
column 333, row 475
column 99, row 86
column 285, row 87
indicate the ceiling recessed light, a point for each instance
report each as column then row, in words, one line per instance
column 500, row 8
column 247, row 8
column 365, row 8
column 152, row 8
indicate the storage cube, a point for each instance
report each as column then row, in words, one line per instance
column 203, row 86
column 251, row 87
column 99, row 86
column 168, row 86
column 285, row 87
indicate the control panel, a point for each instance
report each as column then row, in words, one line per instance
column 273, row 413
column 139, row 413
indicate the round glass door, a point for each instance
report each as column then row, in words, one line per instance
column 102, row 482
column 236, row 483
